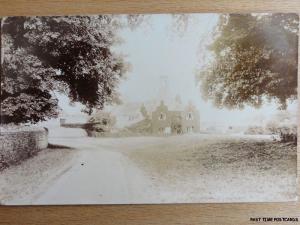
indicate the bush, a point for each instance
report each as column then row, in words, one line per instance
column 141, row 127
column 284, row 125
column 101, row 122
column 288, row 134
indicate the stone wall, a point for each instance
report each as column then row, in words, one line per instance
column 17, row 145
column 74, row 125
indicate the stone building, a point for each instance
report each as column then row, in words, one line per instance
column 175, row 121
column 163, row 114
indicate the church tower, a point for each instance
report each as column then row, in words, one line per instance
column 164, row 91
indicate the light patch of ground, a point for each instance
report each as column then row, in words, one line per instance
column 24, row 182
column 220, row 169
column 174, row 169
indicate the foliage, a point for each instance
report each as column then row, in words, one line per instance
column 288, row 134
column 283, row 124
column 25, row 96
column 101, row 122
column 180, row 23
column 255, row 58
column 176, row 127
column 141, row 127
column 72, row 55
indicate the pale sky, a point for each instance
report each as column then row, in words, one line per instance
column 155, row 50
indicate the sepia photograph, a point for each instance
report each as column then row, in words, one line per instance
column 149, row 108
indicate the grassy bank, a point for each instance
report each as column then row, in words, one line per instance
column 233, row 168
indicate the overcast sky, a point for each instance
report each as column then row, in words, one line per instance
column 155, row 50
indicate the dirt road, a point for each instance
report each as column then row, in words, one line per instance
column 193, row 168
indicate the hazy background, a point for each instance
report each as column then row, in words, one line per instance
column 155, row 49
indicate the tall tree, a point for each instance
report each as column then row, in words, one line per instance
column 254, row 58
column 72, row 55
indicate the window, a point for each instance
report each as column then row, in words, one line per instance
column 162, row 116
column 189, row 116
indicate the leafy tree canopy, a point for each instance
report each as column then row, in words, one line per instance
column 255, row 58
column 71, row 55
